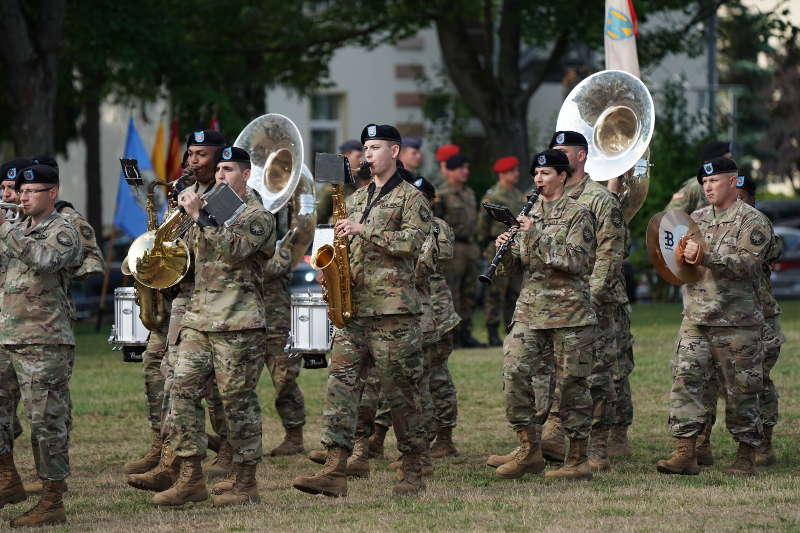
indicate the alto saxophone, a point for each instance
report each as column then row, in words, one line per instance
column 334, row 262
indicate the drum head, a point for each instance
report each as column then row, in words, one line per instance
column 664, row 232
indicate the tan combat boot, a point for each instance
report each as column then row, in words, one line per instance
column 376, row 441
column 743, row 465
column 221, row 487
column 292, row 443
column 318, row 456
column 150, row 459
column 576, row 465
column 683, row 460
column 426, row 465
column 190, row 486
column 528, row 459
column 358, row 463
column 444, row 447
column 159, row 479
column 618, row 445
column 703, row 451
column 411, row 480
column 244, row 490
column 765, row 455
column 598, row 450
column 498, row 460
column 553, row 440
column 49, row 510
column 11, row 489
column 222, row 463
column 331, row 480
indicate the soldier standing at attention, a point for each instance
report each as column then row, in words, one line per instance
column 222, row 335
column 690, row 196
column 37, row 343
column 553, row 330
column 458, row 208
column 387, row 224
column 502, row 294
column 722, row 323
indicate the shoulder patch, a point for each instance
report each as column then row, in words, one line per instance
column 616, row 217
column 757, row 237
column 257, row 228
column 64, row 239
column 425, row 213
column 587, row 234
column 87, row 233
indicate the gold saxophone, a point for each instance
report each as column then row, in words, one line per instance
column 334, row 262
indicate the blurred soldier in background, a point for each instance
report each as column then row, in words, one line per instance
column 410, row 154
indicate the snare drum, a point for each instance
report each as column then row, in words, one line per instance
column 312, row 331
column 128, row 333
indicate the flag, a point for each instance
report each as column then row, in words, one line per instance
column 214, row 123
column 174, row 153
column 621, row 30
column 129, row 215
column 157, row 155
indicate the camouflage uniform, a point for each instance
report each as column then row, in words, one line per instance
column 92, row 264
column 36, row 337
column 223, row 333
column 459, row 211
column 385, row 329
column 722, row 325
column 552, row 334
column 689, row 198
column 503, row 292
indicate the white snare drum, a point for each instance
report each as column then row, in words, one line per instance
column 128, row 333
column 312, row 331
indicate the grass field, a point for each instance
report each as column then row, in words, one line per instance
column 463, row 494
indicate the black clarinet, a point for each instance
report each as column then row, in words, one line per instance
column 488, row 275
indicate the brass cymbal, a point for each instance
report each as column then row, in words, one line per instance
column 664, row 232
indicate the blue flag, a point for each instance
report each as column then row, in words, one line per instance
column 129, row 215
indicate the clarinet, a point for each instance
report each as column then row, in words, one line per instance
column 488, row 275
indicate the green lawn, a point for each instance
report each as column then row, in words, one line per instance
column 110, row 427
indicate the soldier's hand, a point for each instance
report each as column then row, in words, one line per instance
column 190, row 201
column 525, row 223
column 690, row 251
column 346, row 227
column 502, row 239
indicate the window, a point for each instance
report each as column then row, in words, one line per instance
column 326, row 123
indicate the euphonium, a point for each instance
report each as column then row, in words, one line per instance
column 334, row 262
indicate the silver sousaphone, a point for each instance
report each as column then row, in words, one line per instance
column 614, row 111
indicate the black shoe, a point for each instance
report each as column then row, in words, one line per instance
column 494, row 338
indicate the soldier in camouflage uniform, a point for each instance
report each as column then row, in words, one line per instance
column 690, row 197
column 443, row 153
column 502, row 294
column 386, row 225
column 552, row 334
column 37, row 341
column 223, row 334
column 457, row 206
column 722, row 323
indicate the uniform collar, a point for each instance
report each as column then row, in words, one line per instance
column 727, row 215
column 574, row 191
column 556, row 208
column 44, row 223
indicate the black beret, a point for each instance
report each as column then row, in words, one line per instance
column 45, row 159
column 718, row 165
column 746, row 183
column 456, row 161
column 424, row 186
column 412, row 142
column 235, row 154
column 550, row 158
column 36, row 174
column 349, row 146
column 383, row 132
column 568, row 138
column 10, row 169
column 205, row 138
column 715, row 149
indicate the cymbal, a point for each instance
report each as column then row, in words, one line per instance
column 664, row 231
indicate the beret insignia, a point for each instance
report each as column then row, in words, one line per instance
column 227, row 153
column 12, row 173
column 256, row 228
column 27, row 174
column 199, row 136
column 64, row 239
column 372, row 131
column 541, row 160
column 739, row 181
column 560, row 138
column 708, row 168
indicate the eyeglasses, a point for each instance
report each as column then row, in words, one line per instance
column 33, row 191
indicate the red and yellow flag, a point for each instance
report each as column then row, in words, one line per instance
column 174, row 153
column 157, row 156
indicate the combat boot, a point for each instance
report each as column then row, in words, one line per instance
column 49, row 510
column 494, row 338
column 576, row 465
column 11, row 489
column 376, row 441
column 34, row 488
column 222, row 463
column 743, row 465
column 467, row 340
column 318, row 456
column 553, row 440
column 426, row 466
column 159, row 479
column 444, row 447
column 703, row 451
column 244, row 490
column 150, row 459
column 411, row 480
column 683, row 460
column 765, row 455
column 358, row 463
column 618, row 445
column 498, row 460
column 190, row 486
column 292, row 443
column 331, row 480
column 221, row 487
column 598, row 450
column 528, row 459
